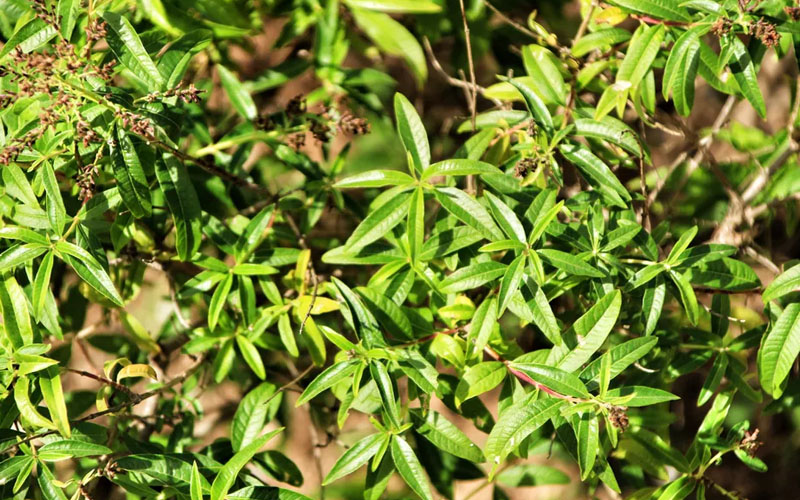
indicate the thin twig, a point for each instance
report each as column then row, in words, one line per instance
column 511, row 22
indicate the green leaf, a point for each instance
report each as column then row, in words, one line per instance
column 394, row 39
column 325, row 380
column 128, row 49
column 553, row 378
column 384, row 382
column 459, row 166
column 183, row 204
column 71, row 448
column 746, row 76
column 388, row 314
column 506, row 218
column 688, row 298
column 678, row 489
column 535, row 105
column 680, row 71
column 379, row 222
column 568, row 263
column 196, row 484
column 542, row 66
column 16, row 319
column 396, row 6
column 531, row 475
column 636, row 395
column 227, row 475
column 50, row 384
column 407, row 464
column 26, row 408
column 587, row 432
column 47, row 483
column 355, row 457
column 416, row 224
column 644, row 275
column 683, row 242
column 20, row 254
column 17, row 185
column 779, row 349
column 724, row 274
column 510, row 283
column 412, row 132
column 130, row 176
column 470, row 277
column 652, row 303
column 596, row 173
column 41, row 284
column 375, row 178
column 713, row 379
column 670, row 10
column 659, row 449
column 251, row 356
column 252, row 236
column 515, row 424
column 56, row 213
column 218, row 300
column 641, row 53
column 253, row 413
column 599, row 39
column 479, row 379
column 754, row 463
column 468, row 211
column 237, row 94
column 786, row 282
column 481, row 326
column 176, row 57
column 611, row 130
column 590, row 331
column 29, row 37
column 445, row 435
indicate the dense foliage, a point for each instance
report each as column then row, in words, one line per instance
column 535, row 282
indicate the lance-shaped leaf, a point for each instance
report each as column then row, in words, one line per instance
column 227, row 474
column 412, row 132
column 183, row 204
column 25, row 406
column 535, row 104
column 41, row 284
column 590, row 331
column 611, row 130
column 542, row 66
column 394, row 39
column 218, row 300
column 237, row 93
column 479, row 379
column 587, row 433
column 506, row 218
column 20, row 254
column 652, row 303
column 596, row 173
column 56, row 213
column 29, row 37
column 744, row 71
column 779, row 350
column 254, row 411
column 128, row 49
column 328, row 378
column 786, row 282
column 445, row 435
column 670, row 10
column 459, row 166
column 355, row 457
column 397, row 6
column 379, row 222
column 50, row 384
column 481, row 326
column 622, row 356
column 517, row 423
column 472, row 276
column 375, row 178
column 723, row 274
column 468, row 211
column 681, row 70
column 416, row 224
column 16, row 319
column 384, row 382
column 510, row 283
column 130, row 176
column 554, row 379
column 407, row 464
column 635, row 396
column 568, row 263
column 688, row 298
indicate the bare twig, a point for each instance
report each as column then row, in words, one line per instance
column 509, row 21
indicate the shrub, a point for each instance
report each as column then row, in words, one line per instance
column 174, row 226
